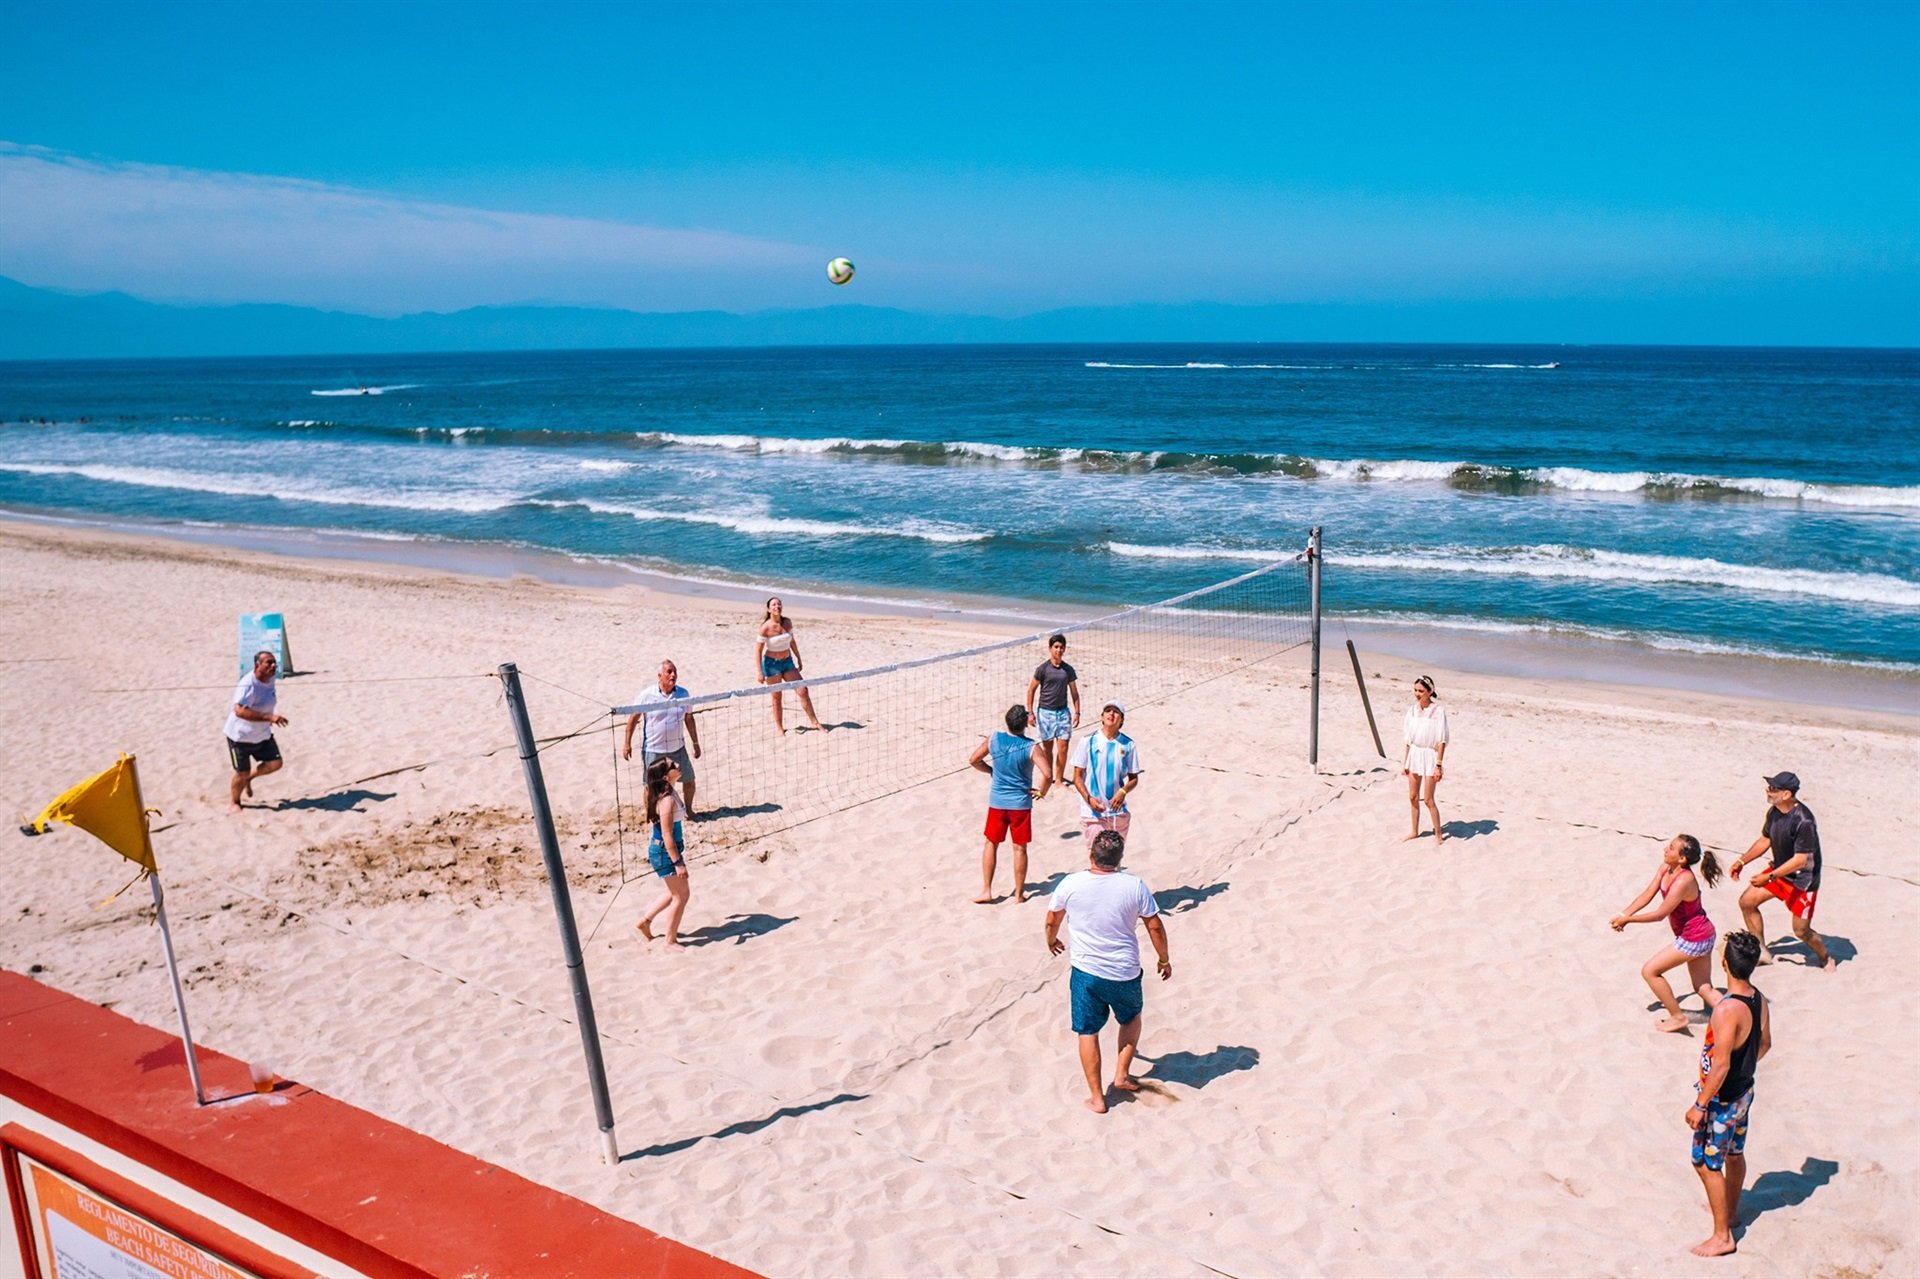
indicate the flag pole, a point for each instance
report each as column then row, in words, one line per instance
column 179, row 997
column 166, row 943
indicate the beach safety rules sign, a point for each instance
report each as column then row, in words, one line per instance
column 82, row 1236
column 268, row 631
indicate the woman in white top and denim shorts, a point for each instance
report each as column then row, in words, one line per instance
column 776, row 659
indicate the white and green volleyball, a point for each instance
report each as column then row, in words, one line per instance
column 839, row 270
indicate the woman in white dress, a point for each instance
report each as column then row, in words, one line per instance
column 1425, row 730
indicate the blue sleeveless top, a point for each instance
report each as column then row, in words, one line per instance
column 1012, row 771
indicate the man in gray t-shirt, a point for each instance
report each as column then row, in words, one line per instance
column 250, row 724
column 1103, row 907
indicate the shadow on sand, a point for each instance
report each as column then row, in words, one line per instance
column 742, row 1128
column 738, row 929
column 1785, row 1189
column 1197, row 1070
column 344, row 801
column 734, row 810
column 1178, row 901
column 1046, row 886
column 1842, row 950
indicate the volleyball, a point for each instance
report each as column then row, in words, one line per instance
column 839, row 270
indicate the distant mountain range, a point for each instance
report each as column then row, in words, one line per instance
column 47, row 324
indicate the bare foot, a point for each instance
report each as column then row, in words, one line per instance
column 1713, row 1246
column 1019, row 897
column 646, row 928
column 984, row 900
column 234, row 806
column 1127, row 1083
column 674, row 945
column 1830, row 965
column 1409, row 838
column 1098, row 1105
column 1439, row 837
column 1766, row 956
column 1676, row 1022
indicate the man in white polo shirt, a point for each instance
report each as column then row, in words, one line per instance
column 668, row 731
column 1103, row 907
column 1105, row 768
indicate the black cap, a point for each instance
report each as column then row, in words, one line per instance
column 1784, row 781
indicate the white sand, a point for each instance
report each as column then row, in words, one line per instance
column 1374, row 1057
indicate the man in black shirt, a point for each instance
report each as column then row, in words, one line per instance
column 1789, row 834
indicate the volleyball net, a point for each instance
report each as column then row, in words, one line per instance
column 893, row 727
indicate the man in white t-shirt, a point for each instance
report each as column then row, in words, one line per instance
column 668, row 732
column 250, row 724
column 1103, row 907
column 1105, row 768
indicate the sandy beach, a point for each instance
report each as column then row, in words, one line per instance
column 1374, row 1057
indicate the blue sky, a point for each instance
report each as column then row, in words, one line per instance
column 1758, row 163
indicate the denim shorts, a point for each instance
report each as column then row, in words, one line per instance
column 774, row 667
column 1093, row 998
column 664, row 866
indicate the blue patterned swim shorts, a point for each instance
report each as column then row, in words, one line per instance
column 1723, row 1132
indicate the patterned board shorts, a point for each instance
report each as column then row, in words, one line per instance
column 1695, row 949
column 1722, row 1133
column 1054, row 726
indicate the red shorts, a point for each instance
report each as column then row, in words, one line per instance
column 1017, row 822
column 1799, row 901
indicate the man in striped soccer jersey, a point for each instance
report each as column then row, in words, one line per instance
column 1105, row 765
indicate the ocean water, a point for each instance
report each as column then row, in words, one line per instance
column 1738, row 500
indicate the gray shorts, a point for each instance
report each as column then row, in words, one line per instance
column 679, row 757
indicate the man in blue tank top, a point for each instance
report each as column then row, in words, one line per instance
column 1010, row 759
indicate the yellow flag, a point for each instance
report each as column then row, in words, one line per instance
column 106, row 806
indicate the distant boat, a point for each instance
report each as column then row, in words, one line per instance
column 1551, row 364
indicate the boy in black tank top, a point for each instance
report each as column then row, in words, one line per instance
column 1739, row 1033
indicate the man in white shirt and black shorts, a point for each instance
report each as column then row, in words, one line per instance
column 668, row 732
column 250, row 724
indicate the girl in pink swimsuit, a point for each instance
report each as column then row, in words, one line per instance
column 1678, row 892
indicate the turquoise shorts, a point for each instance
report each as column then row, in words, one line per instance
column 1093, row 998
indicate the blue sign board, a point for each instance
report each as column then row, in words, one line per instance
column 268, row 631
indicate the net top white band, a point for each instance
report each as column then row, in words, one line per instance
column 762, row 690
